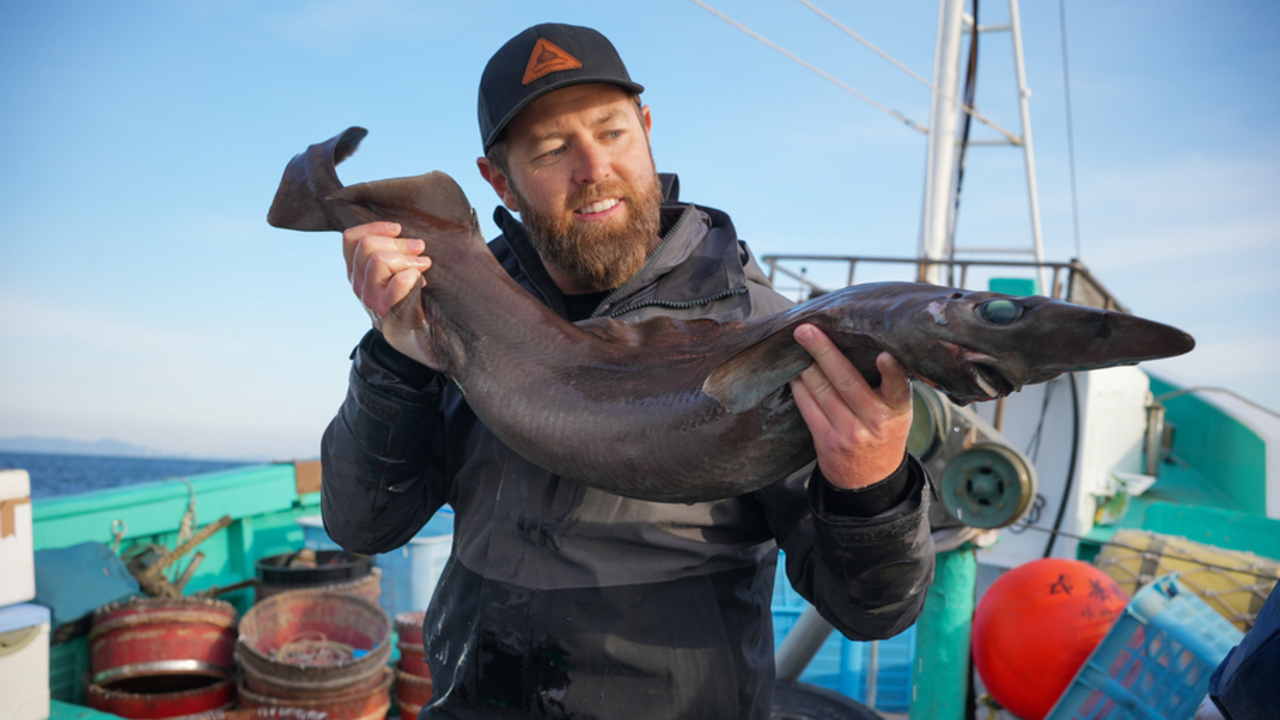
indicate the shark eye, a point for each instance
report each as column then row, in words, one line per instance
column 1000, row 311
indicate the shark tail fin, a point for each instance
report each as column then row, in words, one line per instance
column 309, row 178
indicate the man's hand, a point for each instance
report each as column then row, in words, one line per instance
column 383, row 268
column 860, row 433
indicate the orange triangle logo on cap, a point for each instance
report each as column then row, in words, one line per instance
column 546, row 58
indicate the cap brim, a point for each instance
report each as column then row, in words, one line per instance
column 636, row 88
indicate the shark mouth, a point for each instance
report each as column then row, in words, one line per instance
column 988, row 379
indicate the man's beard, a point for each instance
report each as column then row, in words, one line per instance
column 600, row 256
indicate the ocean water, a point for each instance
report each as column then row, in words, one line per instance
column 56, row 475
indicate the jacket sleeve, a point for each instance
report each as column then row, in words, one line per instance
column 866, row 574
column 382, row 455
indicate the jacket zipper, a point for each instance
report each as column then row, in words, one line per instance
column 681, row 304
column 684, row 215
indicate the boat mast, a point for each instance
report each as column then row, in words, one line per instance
column 937, row 241
column 940, row 163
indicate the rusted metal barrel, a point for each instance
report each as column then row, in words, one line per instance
column 334, row 570
column 411, row 693
column 313, row 641
column 367, row 703
column 267, row 685
column 150, row 697
column 409, row 626
column 262, row 713
column 162, row 657
column 412, row 660
column 412, row 652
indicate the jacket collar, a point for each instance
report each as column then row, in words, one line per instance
column 697, row 258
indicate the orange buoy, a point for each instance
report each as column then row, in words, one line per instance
column 1036, row 626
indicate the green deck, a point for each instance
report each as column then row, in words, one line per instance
column 1227, row 454
column 59, row 710
column 1212, row 488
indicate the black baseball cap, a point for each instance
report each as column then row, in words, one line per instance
column 539, row 60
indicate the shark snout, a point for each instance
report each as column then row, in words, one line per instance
column 1121, row 339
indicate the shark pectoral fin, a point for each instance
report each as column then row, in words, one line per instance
column 308, row 179
column 746, row 379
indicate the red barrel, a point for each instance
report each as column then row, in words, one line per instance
column 367, row 703
column 162, row 636
column 409, row 626
column 412, row 660
column 313, row 642
column 412, row 652
column 150, row 697
column 412, row 692
column 269, row 686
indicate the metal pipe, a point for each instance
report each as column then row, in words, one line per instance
column 873, row 673
column 1078, row 274
column 943, row 119
column 1155, row 431
column 191, row 570
column 1024, row 94
column 801, row 644
column 943, row 635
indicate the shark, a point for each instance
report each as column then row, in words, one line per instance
column 671, row 410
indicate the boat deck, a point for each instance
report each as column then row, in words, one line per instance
column 1184, row 502
column 59, row 710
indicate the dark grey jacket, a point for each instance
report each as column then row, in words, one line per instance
column 564, row 601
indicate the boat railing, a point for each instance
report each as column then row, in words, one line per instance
column 1070, row 280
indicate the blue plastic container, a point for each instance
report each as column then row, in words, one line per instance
column 409, row 573
column 1155, row 662
column 844, row 665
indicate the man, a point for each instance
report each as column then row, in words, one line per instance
column 561, row 600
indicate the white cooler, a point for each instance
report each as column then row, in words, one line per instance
column 24, row 662
column 17, row 555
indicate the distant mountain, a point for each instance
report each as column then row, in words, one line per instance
column 66, row 446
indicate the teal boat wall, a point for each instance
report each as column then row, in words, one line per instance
column 263, row 502
column 1230, row 455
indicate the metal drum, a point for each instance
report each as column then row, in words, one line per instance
column 313, row 643
column 162, row 657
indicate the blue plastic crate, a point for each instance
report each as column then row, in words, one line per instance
column 844, row 665
column 1154, row 663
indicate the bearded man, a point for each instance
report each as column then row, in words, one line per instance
column 561, row 600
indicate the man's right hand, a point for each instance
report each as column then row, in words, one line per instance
column 383, row 267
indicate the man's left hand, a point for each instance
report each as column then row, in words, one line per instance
column 860, row 432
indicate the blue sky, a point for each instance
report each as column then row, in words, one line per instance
column 143, row 296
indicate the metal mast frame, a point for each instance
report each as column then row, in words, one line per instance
column 938, row 216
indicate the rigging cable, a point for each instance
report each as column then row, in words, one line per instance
column 883, row 108
column 1071, row 145
column 1207, row 388
column 1071, row 467
column 970, row 93
column 968, row 108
